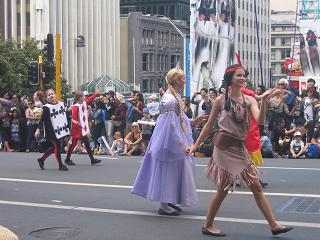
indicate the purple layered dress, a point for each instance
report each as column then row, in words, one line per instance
column 167, row 172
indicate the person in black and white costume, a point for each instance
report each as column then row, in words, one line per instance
column 54, row 122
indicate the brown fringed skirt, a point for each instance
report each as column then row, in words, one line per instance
column 230, row 162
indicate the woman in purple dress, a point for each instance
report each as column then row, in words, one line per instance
column 167, row 172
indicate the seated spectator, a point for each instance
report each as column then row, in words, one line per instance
column 297, row 147
column 133, row 141
column 316, row 137
column 118, row 144
column 279, row 139
column 153, row 106
column 266, row 146
column 146, row 129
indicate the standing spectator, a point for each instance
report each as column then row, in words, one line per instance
column 133, row 141
column 5, row 102
column 146, row 129
column 187, row 108
column 260, row 90
column 98, row 120
column 16, row 103
column 17, row 131
column 111, row 109
column 279, row 106
column 153, row 107
column 138, row 108
column 199, row 102
column 38, row 99
column 120, row 115
column 207, row 105
column 5, row 129
column 310, row 86
column 32, row 124
column 309, row 110
column 161, row 91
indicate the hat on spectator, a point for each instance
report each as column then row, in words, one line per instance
column 85, row 93
column 145, row 110
column 120, row 97
column 296, row 134
column 153, row 97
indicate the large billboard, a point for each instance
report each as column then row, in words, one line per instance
column 212, row 36
column 309, row 47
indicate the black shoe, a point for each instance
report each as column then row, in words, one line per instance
column 207, row 232
column 283, row 230
column 41, row 163
column 162, row 212
column 63, row 168
column 69, row 162
column 263, row 184
column 175, row 207
column 95, row 161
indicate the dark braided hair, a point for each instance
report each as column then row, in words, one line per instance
column 227, row 82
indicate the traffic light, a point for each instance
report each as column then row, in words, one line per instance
column 33, row 73
column 49, row 70
column 49, row 48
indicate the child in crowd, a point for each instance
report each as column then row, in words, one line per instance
column 118, row 144
column 297, row 147
column 146, row 129
column 153, row 107
column 15, row 130
column 266, row 146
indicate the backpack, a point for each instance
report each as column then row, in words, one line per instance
column 130, row 112
column 313, row 151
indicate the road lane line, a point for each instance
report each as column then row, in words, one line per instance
column 150, row 214
column 80, row 184
column 277, row 168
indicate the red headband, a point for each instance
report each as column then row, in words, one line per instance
column 228, row 70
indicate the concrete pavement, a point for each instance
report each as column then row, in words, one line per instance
column 94, row 202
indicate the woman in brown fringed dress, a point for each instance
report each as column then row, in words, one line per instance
column 230, row 159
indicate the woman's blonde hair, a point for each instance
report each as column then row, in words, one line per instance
column 172, row 77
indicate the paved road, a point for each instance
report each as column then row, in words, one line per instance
column 94, row 202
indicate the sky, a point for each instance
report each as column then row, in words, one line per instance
column 283, row 5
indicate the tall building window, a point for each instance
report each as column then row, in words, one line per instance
column 285, row 54
column 144, row 62
column 273, row 55
column 151, row 62
column 285, row 41
column 273, row 41
column 173, row 61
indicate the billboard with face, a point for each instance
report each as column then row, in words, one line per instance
column 212, row 35
column 309, row 48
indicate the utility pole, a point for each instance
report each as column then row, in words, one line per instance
column 40, row 72
column 58, row 67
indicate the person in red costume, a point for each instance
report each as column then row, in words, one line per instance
column 80, row 126
column 253, row 138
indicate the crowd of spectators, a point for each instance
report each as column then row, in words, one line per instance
column 123, row 125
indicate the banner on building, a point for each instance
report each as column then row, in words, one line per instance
column 212, row 46
column 309, row 47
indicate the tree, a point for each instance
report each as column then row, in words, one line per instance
column 14, row 61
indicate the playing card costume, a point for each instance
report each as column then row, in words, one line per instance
column 54, row 123
column 80, row 129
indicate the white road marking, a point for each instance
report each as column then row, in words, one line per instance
column 150, row 214
column 277, row 168
column 130, row 187
column 112, row 158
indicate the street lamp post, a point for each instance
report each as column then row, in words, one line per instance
column 183, row 35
